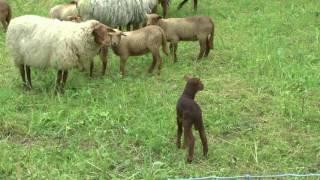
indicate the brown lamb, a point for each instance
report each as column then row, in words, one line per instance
column 5, row 14
column 139, row 42
column 194, row 28
column 189, row 114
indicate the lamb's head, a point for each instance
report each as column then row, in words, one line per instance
column 116, row 37
column 153, row 19
column 194, row 83
column 101, row 34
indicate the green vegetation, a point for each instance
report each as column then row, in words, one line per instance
column 261, row 103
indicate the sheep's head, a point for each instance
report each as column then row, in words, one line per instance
column 194, row 83
column 116, row 37
column 153, row 19
column 101, row 34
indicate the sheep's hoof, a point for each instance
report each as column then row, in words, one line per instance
column 27, row 87
column 189, row 160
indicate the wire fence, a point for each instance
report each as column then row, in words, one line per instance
column 249, row 177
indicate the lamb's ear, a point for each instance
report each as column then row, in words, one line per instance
column 123, row 34
column 159, row 17
column 187, row 77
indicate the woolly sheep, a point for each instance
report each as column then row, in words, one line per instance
column 192, row 28
column 35, row 41
column 5, row 13
column 139, row 42
column 113, row 13
column 67, row 12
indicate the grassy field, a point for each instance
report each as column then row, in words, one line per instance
column 261, row 103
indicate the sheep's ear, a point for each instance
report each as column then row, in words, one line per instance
column 159, row 17
column 111, row 30
column 187, row 77
column 99, row 33
column 123, row 34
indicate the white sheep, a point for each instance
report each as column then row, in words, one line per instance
column 35, row 41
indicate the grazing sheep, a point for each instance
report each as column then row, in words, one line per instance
column 113, row 13
column 139, row 42
column 195, row 4
column 189, row 114
column 5, row 14
column 67, row 12
column 35, row 41
column 193, row 28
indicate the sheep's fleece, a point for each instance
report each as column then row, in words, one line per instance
column 44, row 42
column 113, row 12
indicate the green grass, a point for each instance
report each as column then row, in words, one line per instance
column 260, row 104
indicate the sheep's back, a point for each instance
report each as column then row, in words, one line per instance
column 42, row 42
column 112, row 12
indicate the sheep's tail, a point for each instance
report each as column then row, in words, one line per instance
column 164, row 43
column 211, row 38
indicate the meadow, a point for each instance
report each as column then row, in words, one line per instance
column 261, row 103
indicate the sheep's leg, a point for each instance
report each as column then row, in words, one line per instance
column 91, row 68
column 203, row 45
column 181, row 4
column 64, row 79
column 187, row 126
column 164, row 4
column 195, row 5
column 58, row 81
column 28, row 72
column 203, row 141
column 104, row 59
column 23, row 75
column 123, row 61
column 179, row 132
column 159, row 64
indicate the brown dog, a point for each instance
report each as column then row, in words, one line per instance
column 188, row 114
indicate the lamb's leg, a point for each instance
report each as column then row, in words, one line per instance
column 104, row 59
column 207, row 48
column 91, row 68
column 203, row 45
column 195, row 5
column 153, row 64
column 203, row 141
column 159, row 64
column 181, row 4
column 179, row 132
column 175, row 48
column 187, row 126
column 123, row 61
column 28, row 72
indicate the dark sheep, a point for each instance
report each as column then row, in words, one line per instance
column 5, row 14
column 189, row 114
